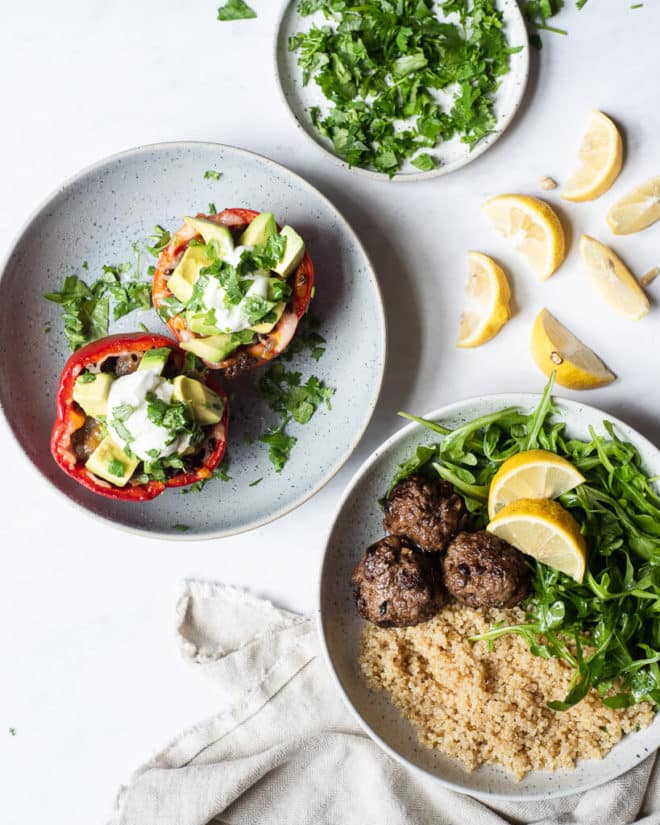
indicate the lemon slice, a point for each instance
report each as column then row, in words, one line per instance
column 533, row 227
column 600, row 158
column 486, row 305
column 531, row 474
column 614, row 280
column 636, row 210
column 556, row 349
column 544, row 530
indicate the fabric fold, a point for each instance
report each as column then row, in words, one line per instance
column 288, row 751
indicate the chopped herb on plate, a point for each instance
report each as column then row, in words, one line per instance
column 212, row 174
column 383, row 67
column 235, row 10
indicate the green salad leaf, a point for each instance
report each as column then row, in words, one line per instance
column 606, row 628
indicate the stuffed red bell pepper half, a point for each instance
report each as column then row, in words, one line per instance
column 232, row 287
column 134, row 416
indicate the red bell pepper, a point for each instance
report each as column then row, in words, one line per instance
column 69, row 418
column 267, row 346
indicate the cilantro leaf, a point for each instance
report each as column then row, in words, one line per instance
column 235, row 10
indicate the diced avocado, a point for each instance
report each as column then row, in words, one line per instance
column 183, row 278
column 213, row 348
column 267, row 326
column 110, row 462
column 207, row 405
column 211, row 231
column 91, row 392
column 258, row 232
column 200, row 322
column 293, row 253
column 155, row 359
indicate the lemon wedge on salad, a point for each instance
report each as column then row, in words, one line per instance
column 555, row 349
column 636, row 210
column 531, row 474
column 544, row 530
column 486, row 303
column 533, row 227
column 600, row 159
column 613, row 279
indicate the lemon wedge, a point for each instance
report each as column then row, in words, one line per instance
column 531, row 474
column 544, row 530
column 613, row 279
column 556, row 349
column 636, row 210
column 486, row 305
column 600, row 159
column 533, row 227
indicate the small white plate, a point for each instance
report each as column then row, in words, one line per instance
column 453, row 154
column 357, row 524
column 95, row 217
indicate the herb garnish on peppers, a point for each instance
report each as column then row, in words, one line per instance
column 380, row 63
column 607, row 628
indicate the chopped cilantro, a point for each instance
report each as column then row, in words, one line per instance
column 12, row 731
column 86, row 378
column 255, row 482
column 294, row 400
column 85, row 308
column 116, row 468
column 211, row 174
column 143, row 327
column 159, row 240
column 213, row 209
column 235, row 10
column 47, row 329
column 279, row 445
column 182, row 528
column 380, row 65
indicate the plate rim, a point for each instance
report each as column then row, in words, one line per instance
column 507, row 399
column 91, row 168
column 408, row 177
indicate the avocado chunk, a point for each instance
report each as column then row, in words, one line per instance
column 266, row 326
column 202, row 322
column 258, row 232
column 213, row 232
column 214, row 348
column 155, row 359
column 110, row 462
column 293, row 252
column 182, row 280
column 207, row 405
column 91, row 392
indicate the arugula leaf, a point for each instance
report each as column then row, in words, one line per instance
column 235, row 10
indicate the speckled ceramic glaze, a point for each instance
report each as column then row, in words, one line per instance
column 453, row 154
column 358, row 523
column 95, row 217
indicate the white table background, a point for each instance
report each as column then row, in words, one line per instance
column 90, row 676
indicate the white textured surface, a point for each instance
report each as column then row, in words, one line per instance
column 86, row 612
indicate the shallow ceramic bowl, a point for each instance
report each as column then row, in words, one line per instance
column 453, row 154
column 358, row 523
column 95, row 217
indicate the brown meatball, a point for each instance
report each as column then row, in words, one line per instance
column 482, row 570
column 429, row 513
column 394, row 585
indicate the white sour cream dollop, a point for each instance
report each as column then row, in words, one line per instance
column 233, row 318
column 146, row 436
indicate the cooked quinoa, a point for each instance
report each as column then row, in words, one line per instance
column 486, row 706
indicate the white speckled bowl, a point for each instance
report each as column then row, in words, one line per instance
column 453, row 154
column 358, row 523
column 94, row 217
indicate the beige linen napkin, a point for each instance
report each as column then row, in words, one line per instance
column 288, row 751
